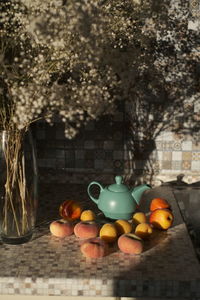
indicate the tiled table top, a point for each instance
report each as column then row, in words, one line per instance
column 51, row 266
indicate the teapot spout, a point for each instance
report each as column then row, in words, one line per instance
column 138, row 191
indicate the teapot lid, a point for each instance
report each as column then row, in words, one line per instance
column 118, row 186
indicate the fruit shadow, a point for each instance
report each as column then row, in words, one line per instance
column 158, row 265
column 156, row 238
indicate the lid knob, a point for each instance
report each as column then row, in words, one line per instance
column 118, row 179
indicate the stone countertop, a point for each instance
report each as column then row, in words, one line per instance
column 51, row 266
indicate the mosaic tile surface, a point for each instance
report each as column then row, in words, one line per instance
column 51, row 266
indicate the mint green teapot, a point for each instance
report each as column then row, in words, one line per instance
column 117, row 201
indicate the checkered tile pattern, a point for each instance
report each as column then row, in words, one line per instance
column 104, row 148
column 47, row 265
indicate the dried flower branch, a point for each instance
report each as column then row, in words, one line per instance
column 75, row 58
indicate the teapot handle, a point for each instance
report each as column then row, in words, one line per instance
column 88, row 190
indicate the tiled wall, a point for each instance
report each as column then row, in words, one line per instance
column 102, row 150
column 175, row 155
column 97, row 151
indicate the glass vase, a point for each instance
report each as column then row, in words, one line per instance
column 18, row 186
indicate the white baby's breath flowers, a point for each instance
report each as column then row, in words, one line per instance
column 53, row 61
column 76, row 58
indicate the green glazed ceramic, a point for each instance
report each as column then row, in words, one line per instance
column 117, row 201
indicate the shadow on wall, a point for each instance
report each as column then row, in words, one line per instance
column 143, row 128
column 158, row 67
column 96, row 151
column 165, row 93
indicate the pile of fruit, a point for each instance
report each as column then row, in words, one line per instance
column 128, row 235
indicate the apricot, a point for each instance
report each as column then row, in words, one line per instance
column 94, row 248
column 143, row 230
column 86, row 230
column 108, row 233
column 87, row 215
column 139, row 217
column 70, row 210
column 123, row 226
column 130, row 243
column 61, row 228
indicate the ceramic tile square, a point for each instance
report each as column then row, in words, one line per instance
column 187, row 145
column 99, row 154
column 99, row 164
column 48, row 163
column 176, row 155
column 167, row 155
column 109, row 155
column 69, row 163
column 167, row 165
column 177, row 146
column 50, row 153
column 80, row 163
column 68, row 144
column 167, row 145
column 186, row 155
column 60, row 153
column 195, row 155
column 60, row 163
column 79, row 154
column 89, row 145
column 89, row 154
column 186, row 165
column 108, row 145
column 118, row 165
column 176, row 165
column 108, row 165
column 117, row 136
column 117, row 154
column 195, row 165
column 69, row 154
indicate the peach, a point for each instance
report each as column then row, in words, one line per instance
column 123, row 226
column 87, row 215
column 61, row 228
column 143, row 230
column 94, row 248
column 130, row 243
column 108, row 233
column 86, row 230
column 70, row 210
column 139, row 217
